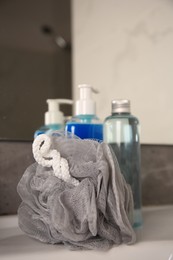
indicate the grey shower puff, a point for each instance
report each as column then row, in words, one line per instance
column 96, row 214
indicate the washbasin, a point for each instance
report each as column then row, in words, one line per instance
column 154, row 241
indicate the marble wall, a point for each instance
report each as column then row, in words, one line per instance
column 125, row 49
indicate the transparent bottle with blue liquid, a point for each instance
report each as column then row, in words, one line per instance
column 85, row 124
column 53, row 118
column 121, row 132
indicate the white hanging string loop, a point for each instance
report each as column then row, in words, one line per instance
column 48, row 157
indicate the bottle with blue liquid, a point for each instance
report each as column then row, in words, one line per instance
column 53, row 118
column 85, row 124
column 121, row 132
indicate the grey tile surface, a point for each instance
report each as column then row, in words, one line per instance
column 15, row 157
column 156, row 167
column 157, row 174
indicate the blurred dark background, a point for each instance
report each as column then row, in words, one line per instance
column 35, row 63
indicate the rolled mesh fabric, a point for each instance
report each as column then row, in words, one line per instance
column 96, row 214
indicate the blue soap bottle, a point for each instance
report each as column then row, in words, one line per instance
column 53, row 118
column 85, row 124
column 121, row 132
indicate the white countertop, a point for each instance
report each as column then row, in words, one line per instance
column 155, row 241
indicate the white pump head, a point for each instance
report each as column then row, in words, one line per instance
column 54, row 115
column 85, row 105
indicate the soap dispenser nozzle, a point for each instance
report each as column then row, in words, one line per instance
column 86, row 91
column 86, row 105
column 54, row 115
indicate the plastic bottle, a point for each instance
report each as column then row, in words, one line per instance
column 85, row 124
column 122, row 133
column 53, row 118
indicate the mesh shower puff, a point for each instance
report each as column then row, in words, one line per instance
column 87, row 205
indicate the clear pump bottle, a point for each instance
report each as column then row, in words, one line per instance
column 53, row 118
column 122, row 133
column 85, row 124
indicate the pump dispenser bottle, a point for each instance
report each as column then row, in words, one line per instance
column 122, row 133
column 53, row 118
column 85, row 124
